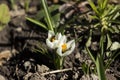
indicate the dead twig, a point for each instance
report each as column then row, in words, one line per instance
column 58, row 71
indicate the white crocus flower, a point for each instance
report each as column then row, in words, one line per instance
column 53, row 39
column 65, row 48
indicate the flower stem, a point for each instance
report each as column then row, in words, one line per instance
column 61, row 63
column 58, row 62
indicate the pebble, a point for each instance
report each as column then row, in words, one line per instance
column 2, row 77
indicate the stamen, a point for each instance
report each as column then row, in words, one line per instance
column 64, row 47
column 52, row 39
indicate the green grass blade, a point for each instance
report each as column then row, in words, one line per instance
column 37, row 22
column 112, row 57
column 100, row 68
column 93, row 6
column 109, row 42
column 100, row 3
column 105, row 3
column 115, row 21
column 47, row 15
column 90, row 54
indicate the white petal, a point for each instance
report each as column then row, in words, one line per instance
column 55, row 44
column 59, row 51
column 62, row 40
column 49, row 43
column 66, row 53
column 58, row 36
column 71, row 45
column 50, row 34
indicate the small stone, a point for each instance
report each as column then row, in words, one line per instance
column 75, row 76
column 2, row 77
column 42, row 68
column 27, row 64
column 94, row 77
column 94, row 46
column 27, row 76
column 36, row 76
column 19, row 29
column 5, row 56
column 77, row 56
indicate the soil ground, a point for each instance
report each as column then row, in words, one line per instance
column 19, row 61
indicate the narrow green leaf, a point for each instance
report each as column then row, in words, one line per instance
column 50, row 22
column 37, row 22
column 94, row 17
column 100, row 4
column 105, row 3
column 85, row 68
column 52, row 9
column 109, row 42
column 113, row 10
column 102, row 39
column 88, row 43
column 100, row 68
column 111, row 30
column 93, row 6
column 90, row 54
column 111, row 59
column 114, row 21
column 115, row 29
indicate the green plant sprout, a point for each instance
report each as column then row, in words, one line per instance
column 106, row 15
column 56, row 41
column 26, row 5
column 4, row 16
column 13, row 4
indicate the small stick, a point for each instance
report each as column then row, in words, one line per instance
column 58, row 71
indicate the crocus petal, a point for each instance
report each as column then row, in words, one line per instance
column 59, row 51
column 71, row 45
column 66, row 53
column 50, row 34
column 55, row 44
column 58, row 36
column 49, row 43
column 62, row 40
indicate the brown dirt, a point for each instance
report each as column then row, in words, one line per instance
column 20, row 37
